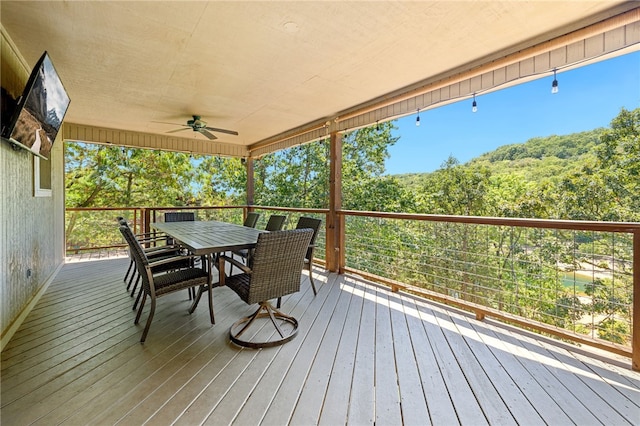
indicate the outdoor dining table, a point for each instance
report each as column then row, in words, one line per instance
column 207, row 238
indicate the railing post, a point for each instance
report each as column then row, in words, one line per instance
column 335, row 244
column 250, row 181
column 146, row 223
column 342, row 244
column 635, row 321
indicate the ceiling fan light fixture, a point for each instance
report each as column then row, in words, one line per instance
column 198, row 125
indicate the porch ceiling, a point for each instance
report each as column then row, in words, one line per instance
column 265, row 68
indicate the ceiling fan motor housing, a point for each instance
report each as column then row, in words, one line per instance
column 196, row 123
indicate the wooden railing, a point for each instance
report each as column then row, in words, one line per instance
column 571, row 279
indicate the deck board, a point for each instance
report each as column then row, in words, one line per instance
column 468, row 411
column 335, row 407
column 432, row 381
column 363, row 355
column 362, row 399
column 309, row 405
column 412, row 400
column 508, row 388
column 526, row 381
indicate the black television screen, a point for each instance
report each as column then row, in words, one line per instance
column 39, row 111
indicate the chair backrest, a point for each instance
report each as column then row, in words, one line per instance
column 276, row 222
column 179, row 217
column 137, row 253
column 309, row 223
column 278, row 260
column 251, row 220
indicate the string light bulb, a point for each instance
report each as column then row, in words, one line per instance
column 418, row 118
column 554, row 85
column 474, row 105
column 377, row 126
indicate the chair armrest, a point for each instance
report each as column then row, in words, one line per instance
column 161, row 249
column 222, row 258
column 143, row 239
column 172, row 259
column 145, row 234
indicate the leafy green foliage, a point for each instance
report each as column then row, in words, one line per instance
column 108, row 176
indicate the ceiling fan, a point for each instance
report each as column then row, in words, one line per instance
column 198, row 125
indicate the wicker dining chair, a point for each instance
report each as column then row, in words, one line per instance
column 161, row 247
column 156, row 284
column 276, row 270
column 309, row 223
column 171, row 255
column 275, row 223
column 179, row 217
column 251, row 220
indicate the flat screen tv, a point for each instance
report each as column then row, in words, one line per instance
column 39, row 111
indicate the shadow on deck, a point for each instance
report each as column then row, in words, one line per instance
column 363, row 355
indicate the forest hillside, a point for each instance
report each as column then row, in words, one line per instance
column 591, row 175
column 534, row 160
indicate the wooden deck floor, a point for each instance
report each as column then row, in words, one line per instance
column 363, row 356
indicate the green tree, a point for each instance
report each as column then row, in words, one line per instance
column 299, row 176
column 619, row 159
column 220, row 181
column 456, row 190
column 108, row 176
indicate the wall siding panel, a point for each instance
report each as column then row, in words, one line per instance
column 31, row 228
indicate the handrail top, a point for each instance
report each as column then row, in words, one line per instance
column 584, row 225
column 239, row 206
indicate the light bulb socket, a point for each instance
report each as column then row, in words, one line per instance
column 554, row 86
column 474, row 107
column 418, row 121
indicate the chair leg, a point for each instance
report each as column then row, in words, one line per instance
column 144, row 298
column 196, row 300
column 128, row 270
column 151, row 312
column 265, row 310
column 231, row 269
column 313, row 286
column 210, row 290
column 138, row 298
column 134, row 272
column 135, row 286
column 201, row 289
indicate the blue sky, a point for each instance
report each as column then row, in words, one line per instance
column 589, row 97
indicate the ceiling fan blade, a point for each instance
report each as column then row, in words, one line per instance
column 166, row 122
column 207, row 134
column 230, row 132
column 177, row 130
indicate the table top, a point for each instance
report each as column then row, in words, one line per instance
column 206, row 237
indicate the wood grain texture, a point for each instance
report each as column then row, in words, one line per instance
column 362, row 355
